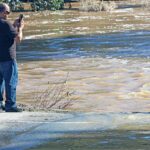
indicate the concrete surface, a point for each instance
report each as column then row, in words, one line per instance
column 20, row 131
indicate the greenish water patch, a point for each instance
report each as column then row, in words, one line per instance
column 102, row 140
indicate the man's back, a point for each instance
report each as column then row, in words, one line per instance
column 7, row 41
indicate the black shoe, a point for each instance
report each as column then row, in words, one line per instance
column 14, row 110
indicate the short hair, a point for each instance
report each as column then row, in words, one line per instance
column 2, row 7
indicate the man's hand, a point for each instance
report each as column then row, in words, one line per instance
column 19, row 26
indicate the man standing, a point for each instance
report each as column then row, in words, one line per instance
column 10, row 34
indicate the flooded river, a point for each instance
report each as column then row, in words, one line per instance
column 105, row 54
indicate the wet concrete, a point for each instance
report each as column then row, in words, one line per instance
column 20, row 131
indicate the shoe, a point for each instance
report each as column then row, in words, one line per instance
column 2, row 107
column 15, row 109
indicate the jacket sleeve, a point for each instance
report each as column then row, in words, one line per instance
column 10, row 30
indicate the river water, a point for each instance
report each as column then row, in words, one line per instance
column 105, row 56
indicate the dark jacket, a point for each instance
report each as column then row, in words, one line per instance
column 7, row 41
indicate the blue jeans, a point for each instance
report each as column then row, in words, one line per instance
column 8, row 81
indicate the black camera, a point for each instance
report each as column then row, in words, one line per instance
column 21, row 17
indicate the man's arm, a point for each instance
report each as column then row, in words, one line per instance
column 19, row 36
column 19, row 27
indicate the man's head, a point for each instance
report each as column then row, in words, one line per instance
column 4, row 10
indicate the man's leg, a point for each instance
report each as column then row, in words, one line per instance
column 1, row 88
column 10, row 71
column 1, row 92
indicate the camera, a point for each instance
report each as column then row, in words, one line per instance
column 21, row 16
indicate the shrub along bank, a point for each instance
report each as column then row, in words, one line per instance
column 36, row 5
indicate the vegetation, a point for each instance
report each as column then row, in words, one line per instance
column 85, row 5
column 36, row 5
column 54, row 97
column 94, row 5
column 108, row 5
column 15, row 5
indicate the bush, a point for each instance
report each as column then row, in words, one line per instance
column 57, row 4
column 15, row 5
column 97, row 5
column 37, row 5
column 56, row 96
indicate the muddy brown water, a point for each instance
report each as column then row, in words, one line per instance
column 105, row 54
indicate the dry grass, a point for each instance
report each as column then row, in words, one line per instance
column 97, row 5
column 101, row 5
column 54, row 97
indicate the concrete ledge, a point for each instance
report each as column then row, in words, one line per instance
column 20, row 131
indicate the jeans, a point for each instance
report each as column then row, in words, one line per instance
column 8, row 81
column 2, row 88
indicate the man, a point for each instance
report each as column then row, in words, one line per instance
column 10, row 34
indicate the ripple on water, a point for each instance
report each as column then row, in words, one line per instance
column 133, row 44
